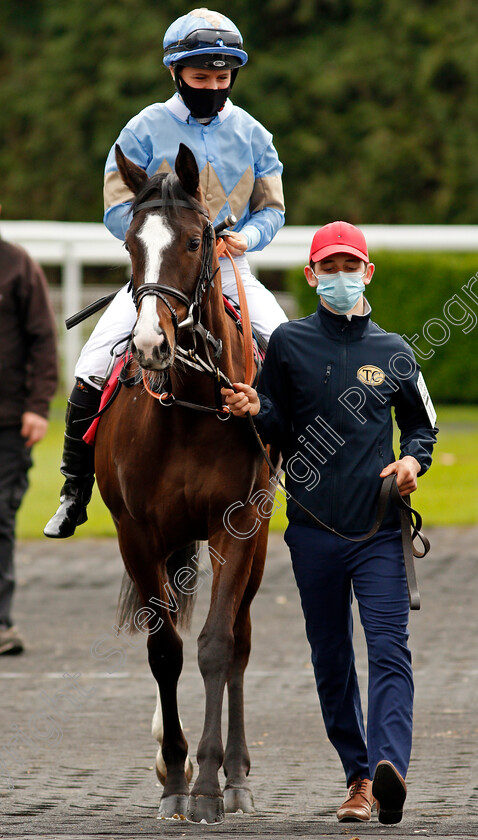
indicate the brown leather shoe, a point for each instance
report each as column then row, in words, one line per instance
column 358, row 805
column 390, row 791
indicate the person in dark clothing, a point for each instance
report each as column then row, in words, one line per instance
column 28, row 380
column 324, row 397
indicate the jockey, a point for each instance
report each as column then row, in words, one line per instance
column 240, row 173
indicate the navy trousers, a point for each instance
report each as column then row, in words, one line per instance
column 327, row 568
column 15, row 461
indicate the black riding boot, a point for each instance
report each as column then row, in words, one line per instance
column 77, row 465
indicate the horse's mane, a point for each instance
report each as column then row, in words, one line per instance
column 169, row 187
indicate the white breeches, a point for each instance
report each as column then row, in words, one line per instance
column 120, row 317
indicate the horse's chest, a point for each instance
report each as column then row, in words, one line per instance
column 191, row 480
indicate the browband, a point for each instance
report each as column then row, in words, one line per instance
column 168, row 202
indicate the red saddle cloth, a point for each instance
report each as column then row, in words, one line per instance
column 90, row 435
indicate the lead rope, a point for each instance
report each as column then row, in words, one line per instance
column 410, row 521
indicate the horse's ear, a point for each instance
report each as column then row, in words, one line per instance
column 187, row 170
column 133, row 176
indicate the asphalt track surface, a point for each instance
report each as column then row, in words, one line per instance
column 81, row 756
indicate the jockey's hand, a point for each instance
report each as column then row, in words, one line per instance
column 244, row 402
column 236, row 244
column 406, row 470
column 34, row 427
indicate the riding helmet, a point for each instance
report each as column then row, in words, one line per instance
column 204, row 38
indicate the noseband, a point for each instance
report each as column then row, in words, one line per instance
column 205, row 277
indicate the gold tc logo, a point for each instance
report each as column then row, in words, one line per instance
column 370, row 375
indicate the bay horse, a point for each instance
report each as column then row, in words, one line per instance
column 168, row 474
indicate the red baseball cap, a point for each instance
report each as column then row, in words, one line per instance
column 338, row 237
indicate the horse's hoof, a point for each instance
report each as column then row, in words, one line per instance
column 238, row 800
column 173, row 807
column 205, row 809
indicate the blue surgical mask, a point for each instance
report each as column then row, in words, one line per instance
column 340, row 291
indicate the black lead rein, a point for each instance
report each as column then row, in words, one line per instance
column 410, row 521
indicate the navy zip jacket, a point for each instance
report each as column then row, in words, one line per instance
column 326, row 389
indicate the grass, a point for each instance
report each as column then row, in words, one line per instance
column 42, row 498
column 447, row 494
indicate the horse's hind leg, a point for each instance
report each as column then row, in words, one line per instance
column 157, row 733
column 237, row 792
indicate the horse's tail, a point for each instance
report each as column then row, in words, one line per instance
column 128, row 604
column 129, row 601
column 185, row 558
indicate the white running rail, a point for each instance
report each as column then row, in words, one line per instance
column 72, row 245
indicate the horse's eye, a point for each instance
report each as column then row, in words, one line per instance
column 126, row 246
column 193, row 244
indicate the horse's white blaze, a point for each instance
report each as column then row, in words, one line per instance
column 156, row 235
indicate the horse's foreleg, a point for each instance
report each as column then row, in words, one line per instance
column 215, row 650
column 165, row 659
column 237, row 792
column 215, row 656
column 165, row 654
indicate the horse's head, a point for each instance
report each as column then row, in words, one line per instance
column 170, row 241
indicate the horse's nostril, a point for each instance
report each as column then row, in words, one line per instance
column 160, row 351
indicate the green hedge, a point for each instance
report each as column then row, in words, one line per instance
column 409, row 289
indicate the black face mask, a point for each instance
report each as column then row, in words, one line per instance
column 203, row 103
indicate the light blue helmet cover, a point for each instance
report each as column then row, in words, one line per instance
column 201, row 19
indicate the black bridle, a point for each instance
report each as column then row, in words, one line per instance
column 212, row 346
column 205, row 277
